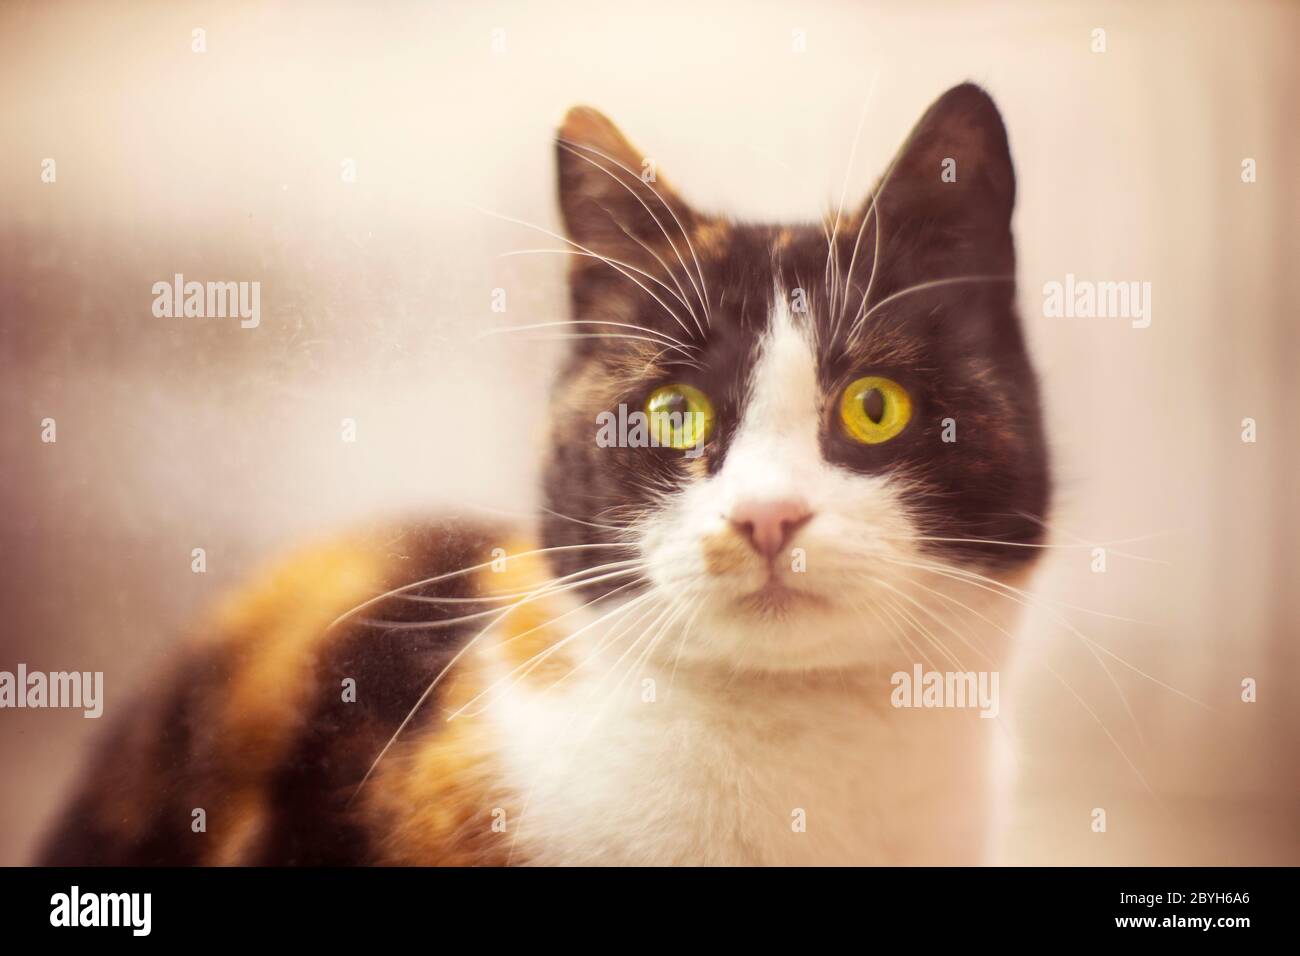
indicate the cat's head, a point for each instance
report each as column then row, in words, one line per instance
column 861, row 416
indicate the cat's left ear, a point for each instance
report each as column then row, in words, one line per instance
column 951, row 189
column 611, row 196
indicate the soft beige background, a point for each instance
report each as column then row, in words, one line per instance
column 176, row 434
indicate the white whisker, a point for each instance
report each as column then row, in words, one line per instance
column 580, row 246
column 572, row 147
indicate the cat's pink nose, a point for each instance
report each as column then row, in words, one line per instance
column 769, row 524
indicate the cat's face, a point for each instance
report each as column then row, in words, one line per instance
column 863, row 417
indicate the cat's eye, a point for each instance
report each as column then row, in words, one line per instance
column 874, row 409
column 680, row 416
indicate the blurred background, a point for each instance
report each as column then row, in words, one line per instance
column 229, row 164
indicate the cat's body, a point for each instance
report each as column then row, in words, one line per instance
column 696, row 664
column 578, row 761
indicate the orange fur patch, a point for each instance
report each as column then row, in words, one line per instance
column 440, row 800
column 726, row 552
column 276, row 630
column 712, row 238
column 526, row 633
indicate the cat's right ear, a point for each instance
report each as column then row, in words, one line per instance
column 611, row 196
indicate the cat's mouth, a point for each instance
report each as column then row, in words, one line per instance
column 777, row 597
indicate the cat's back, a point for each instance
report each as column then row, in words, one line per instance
column 250, row 747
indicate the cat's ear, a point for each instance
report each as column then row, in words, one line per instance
column 951, row 188
column 611, row 196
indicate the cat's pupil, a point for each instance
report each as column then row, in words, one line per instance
column 675, row 405
column 873, row 403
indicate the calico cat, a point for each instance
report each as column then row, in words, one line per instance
column 693, row 658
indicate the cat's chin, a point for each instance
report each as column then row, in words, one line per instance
column 778, row 600
column 779, row 629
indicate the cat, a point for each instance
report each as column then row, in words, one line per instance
column 695, row 656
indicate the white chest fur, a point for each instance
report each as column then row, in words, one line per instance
column 702, row 767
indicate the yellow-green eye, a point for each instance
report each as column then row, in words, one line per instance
column 875, row 409
column 681, row 416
